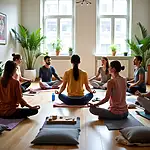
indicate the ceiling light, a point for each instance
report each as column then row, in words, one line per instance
column 81, row 2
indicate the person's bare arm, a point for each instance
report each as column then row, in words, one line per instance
column 108, row 94
column 130, row 81
column 63, row 87
column 88, row 88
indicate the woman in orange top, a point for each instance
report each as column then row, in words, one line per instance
column 11, row 95
column 75, row 78
column 115, row 94
column 17, row 59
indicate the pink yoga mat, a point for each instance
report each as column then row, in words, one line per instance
column 10, row 123
column 59, row 103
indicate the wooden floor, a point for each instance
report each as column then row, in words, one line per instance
column 94, row 134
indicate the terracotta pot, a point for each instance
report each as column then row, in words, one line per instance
column 113, row 53
column 57, row 53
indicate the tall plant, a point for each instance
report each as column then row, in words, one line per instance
column 142, row 45
column 30, row 43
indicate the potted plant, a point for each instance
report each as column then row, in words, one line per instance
column 70, row 51
column 1, row 68
column 141, row 47
column 125, row 53
column 30, row 43
column 113, row 49
column 57, row 46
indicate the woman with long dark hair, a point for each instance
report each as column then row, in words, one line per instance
column 11, row 95
column 75, row 78
column 115, row 94
column 26, row 82
column 103, row 73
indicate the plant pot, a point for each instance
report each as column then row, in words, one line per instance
column 113, row 53
column 57, row 53
column 125, row 53
column 70, row 53
column 30, row 74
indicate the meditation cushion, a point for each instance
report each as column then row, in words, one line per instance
column 137, row 134
column 58, row 134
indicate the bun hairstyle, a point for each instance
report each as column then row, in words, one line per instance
column 16, row 56
column 117, row 65
column 75, row 59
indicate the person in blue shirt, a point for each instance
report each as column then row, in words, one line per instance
column 45, row 74
column 138, row 83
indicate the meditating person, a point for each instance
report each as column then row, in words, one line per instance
column 75, row 79
column 138, row 83
column 103, row 72
column 144, row 101
column 45, row 75
column 115, row 94
column 11, row 95
column 17, row 75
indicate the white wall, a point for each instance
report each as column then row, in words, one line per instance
column 85, row 27
column 12, row 9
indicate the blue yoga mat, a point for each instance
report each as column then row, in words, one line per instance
column 142, row 113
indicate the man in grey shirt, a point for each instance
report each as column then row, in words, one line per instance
column 138, row 83
column 45, row 75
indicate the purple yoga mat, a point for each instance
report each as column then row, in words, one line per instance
column 10, row 123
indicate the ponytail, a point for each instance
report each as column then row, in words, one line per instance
column 76, row 72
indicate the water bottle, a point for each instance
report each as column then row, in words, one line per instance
column 53, row 97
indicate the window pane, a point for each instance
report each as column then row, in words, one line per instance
column 51, row 7
column 120, row 7
column 120, row 34
column 66, row 34
column 105, row 7
column 105, row 35
column 65, row 7
column 50, row 32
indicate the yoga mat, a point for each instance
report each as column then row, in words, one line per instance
column 120, row 124
column 142, row 113
column 10, row 123
column 131, row 99
column 61, row 104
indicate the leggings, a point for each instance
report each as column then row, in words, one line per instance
column 22, row 113
column 106, row 114
column 78, row 100
column 25, row 85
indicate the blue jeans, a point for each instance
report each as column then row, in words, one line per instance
column 106, row 114
column 76, row 100
column 135, row 88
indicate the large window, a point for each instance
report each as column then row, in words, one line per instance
column 59, row 24
column 112, row 25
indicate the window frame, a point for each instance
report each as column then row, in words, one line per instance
column 59, row 17
column 112, row 17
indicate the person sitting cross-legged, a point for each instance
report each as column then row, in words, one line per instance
column 138, row 83
column 115, row 94
column 144, row 101
column 45, row 75
column 11, row 95
column 75, row 79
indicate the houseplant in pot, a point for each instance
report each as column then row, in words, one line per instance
column 1, row 68
column 57, row 45
column 30, row 43
column 141, row 46
column 70, row 50
column 113, row 49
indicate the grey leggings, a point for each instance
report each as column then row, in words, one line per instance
column 106, row 114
